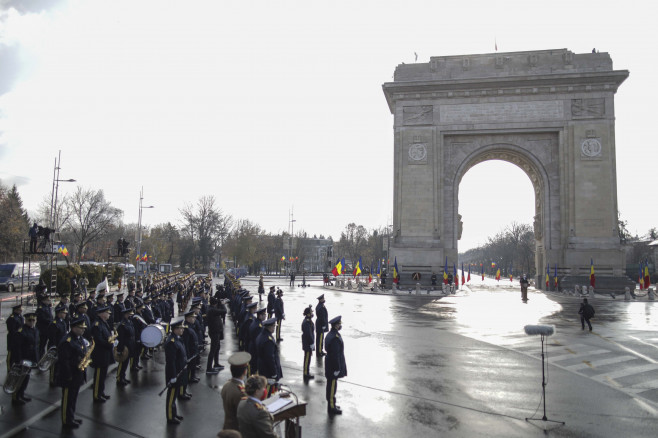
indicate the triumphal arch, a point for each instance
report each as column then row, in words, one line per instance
column 549, row 112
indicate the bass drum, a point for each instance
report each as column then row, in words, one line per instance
column 153, row 335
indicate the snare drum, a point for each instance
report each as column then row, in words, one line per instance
column 153, row 335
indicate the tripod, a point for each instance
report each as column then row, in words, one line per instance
column 543, row 386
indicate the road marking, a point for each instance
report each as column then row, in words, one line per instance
column 600, row 363
column 644, row 386
column 625, row 372
column 577, row 355
column 646, row 343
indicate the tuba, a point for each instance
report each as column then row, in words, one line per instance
column 48, row 359
column 86, row 359
column 16, row 376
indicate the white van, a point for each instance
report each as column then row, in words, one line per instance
column 12, row 275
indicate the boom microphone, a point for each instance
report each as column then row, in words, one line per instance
column 544, row 330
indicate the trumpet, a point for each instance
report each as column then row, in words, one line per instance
column 86, row 359
column 48, row 359
column 16, row 376
column 113, row 338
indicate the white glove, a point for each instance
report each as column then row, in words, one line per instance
column 158, row 320
column 324, row 327
column 312, row 347
column 172, row 381
column 271, row 381
column 336, row 373
column 115, row 343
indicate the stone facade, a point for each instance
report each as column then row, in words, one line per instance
column 550, row 112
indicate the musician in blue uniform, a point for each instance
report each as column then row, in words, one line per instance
column 245, row 325
column 254, row 330
column 321, row 325
column 308, row 341
column 139, row 323
column 269, row 364
column 170, row 306
column 191, row 342
column 27, row 339
column 14, row 322
column 279, row 314
column 57, row 330
column 102, row 355
column 175, row 363
column 81, row 312
column 71, row 371
column 44, row 319
column 119, row 307
column 126, row 338
column 334, row 364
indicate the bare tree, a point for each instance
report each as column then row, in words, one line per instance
column 353, row 242
column 207, row 227
column 88, row 217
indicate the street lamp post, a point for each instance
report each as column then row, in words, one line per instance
column 291, row 228
column 53, row 198
column 139, row 230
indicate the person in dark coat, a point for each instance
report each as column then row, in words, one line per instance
column 101, row 356
column 27, row 339
column 254, row 330
column 279, row 314
column 246, row 325
column 175, row 363
column 70, row 353
column 334, row 364
column 57, row 330
column 126, row 338
column 269, row 364
column 308, row 341
column 271, row 298
column 321, row 325
column 44, row 319
column 15, row 321
column 191, row 342
column 216, row 334
column 586, row 313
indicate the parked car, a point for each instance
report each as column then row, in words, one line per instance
column 12, row 275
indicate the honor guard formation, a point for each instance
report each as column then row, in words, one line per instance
column 99, row 329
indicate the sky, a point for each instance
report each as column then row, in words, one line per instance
column 277, row 106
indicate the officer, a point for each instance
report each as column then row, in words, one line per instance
column 334, row 364
column 110, row 304
column 14, row 322
column 126, row 338
column 233, row 390
column 71, row 374
column 175, row 363
column 27, row 339
column 81, row 311
column 73, row 306
column 321, row 326
column 246, row 325
column 269, row 364
column 270, row 302
column 279, row 313
column 139, row 323
column 102, row 354
column 191, row 342
column 253, row 418
column 57, row 330
column 254, row 330
column 169, row 308
column 44, row 319
column 119, row 307
column 216, row 334
column 308, row 341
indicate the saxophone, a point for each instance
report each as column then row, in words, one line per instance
column 86, row 359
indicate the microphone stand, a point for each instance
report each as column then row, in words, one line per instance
column 543, row 387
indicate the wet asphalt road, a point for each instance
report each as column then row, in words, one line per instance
column 417, row 366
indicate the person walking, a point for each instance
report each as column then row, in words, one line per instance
column 586, row 313
column 308, row 341
column 335, row 366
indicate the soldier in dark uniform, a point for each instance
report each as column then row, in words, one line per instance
column 139, row 324
column 254, row 330
column 57, row 330
column 119, row 307
column 27, row 339
column 279, row 314
column 81, row 311
column 321, row 325
column 170, row 306
column 44, row 319
column 110, row 304
column 64, row 301
column 126, row 338
column 102, row 354
column 71, row 374
column 246, row 325
column 191, row 342
column 269, row 364
column 233, row 390
column 216, row 334
column 253, row 418
column 73, row 306
column 308, row 341
column 175, row 362
column 14, row 322
column 270, row 302
column 334, row 364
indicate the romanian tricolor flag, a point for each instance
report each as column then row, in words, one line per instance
column 463, row 278
column 469, row 272
column 283, row 258
column 510, row 275
column 337, row 269
column 482, row 268
column 144, row 257
column 396, row 273
column 555, row 277
column 592, row 278
column 445, row 272
column 65, row 252
column 547, row 275
column 60, row 248
column 498, row 274
column 344, row 265
column 641, row 277
column 357, row 268
column 647, row 277
column 370, row 275
column 455, row 276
